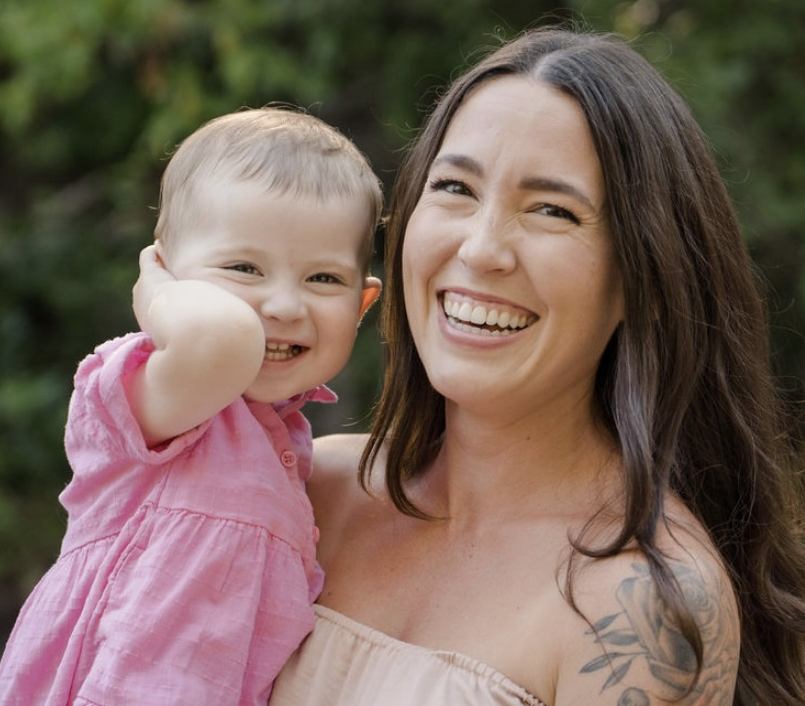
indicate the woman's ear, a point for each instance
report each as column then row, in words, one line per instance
column 371, row 291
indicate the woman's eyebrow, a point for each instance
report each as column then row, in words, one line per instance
column 536, row 183
column 529, row 183
column 459, row 160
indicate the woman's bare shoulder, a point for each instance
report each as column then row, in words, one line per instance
column 337, row 454
column 631, row 648
column 339, row 501
column 335, row 467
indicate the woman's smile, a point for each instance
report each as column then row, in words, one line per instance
column 484, row 317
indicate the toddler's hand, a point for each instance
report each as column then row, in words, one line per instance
column 153, row 276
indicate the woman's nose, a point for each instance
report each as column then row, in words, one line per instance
column 486, row 246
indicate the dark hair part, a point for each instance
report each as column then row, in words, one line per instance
column 685, row 384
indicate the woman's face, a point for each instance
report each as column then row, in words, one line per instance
column 511, row 287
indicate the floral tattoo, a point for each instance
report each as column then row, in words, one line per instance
column 645, row 631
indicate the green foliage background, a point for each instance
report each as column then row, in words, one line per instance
column 95, row 94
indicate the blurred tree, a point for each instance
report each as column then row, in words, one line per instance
column 94, row 99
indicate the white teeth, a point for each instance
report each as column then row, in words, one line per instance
column 478, row 315
column 282, row 351
column 483, row 331
column 469, row 316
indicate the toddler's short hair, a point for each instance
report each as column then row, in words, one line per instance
column 283, row 149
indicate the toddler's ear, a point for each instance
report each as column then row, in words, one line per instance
column 370, row 293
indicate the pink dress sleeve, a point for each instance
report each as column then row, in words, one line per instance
column 104, row 445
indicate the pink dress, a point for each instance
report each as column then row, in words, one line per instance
column 187, row 572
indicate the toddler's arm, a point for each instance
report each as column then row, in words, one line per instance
column 209, row 348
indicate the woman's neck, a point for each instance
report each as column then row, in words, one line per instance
column 488, row 468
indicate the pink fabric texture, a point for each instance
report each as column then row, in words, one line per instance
column 187, row 573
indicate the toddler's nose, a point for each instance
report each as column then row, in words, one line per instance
column 283, row 304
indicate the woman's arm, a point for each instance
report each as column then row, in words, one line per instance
column 209, row 348
column 634, row 654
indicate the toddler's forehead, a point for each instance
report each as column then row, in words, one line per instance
column 220, row 196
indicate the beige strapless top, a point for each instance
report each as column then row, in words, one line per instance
column 346, row 663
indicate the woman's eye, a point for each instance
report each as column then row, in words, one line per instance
column 557, row 212
column 451, row 186
column 244, row 268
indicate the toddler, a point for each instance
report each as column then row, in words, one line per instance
column 188, row 569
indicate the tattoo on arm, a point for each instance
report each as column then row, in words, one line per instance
column 643, row 630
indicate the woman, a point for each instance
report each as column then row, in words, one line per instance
column 578, row 492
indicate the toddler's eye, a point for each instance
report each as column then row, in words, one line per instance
column 245, row 268
column 324, row 278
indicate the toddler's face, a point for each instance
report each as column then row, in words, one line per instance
column 296, row 261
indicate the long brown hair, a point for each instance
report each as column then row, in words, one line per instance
column 684, row 385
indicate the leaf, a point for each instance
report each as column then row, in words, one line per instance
column 605, row 622
column 617, row 674
column 618, row 637
column 604, row 661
